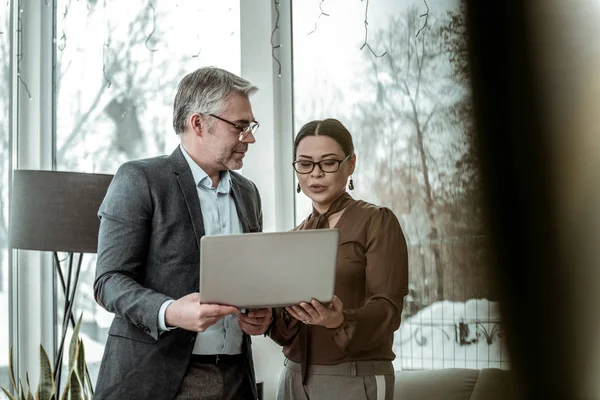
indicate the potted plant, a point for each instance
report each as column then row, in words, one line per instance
column 78, row 385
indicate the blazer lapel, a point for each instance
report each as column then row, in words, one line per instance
column 240, row 205
column 185, row 179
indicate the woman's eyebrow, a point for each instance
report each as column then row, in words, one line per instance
column 322, row 157
column 329, row 155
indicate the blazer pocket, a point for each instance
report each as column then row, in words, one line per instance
column 124, row 329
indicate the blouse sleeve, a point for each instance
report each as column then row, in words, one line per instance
column 386, row 275
column 284, row 328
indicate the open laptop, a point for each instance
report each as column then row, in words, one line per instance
column 259, row 270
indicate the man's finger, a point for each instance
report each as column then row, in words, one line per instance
column 207, row 322
column 216, row 310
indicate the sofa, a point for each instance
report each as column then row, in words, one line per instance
column 455, row 384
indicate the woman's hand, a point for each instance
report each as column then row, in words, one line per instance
column 315, row 313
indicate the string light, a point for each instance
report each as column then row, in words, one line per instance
column 19, row 32
column 319, row 17
column 197, row 55
column 63, row 38
column 273, row 46
column 153, row 26
column 367, row 32
column 106, row 45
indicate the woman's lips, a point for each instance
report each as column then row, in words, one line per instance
column 317, row 188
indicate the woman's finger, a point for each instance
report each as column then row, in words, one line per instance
column 312, row 314
column 320, row 308
column 293, row 313
column 336, row 304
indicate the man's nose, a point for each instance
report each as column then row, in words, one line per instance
column 249, row 138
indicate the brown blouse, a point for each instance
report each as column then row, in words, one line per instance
column 371, row 281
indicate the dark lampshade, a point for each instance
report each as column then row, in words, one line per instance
column 56, row 211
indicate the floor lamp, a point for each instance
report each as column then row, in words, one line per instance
column 57, row 211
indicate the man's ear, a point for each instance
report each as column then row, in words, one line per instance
column 197, row 124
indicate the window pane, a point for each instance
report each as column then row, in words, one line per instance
column 402, row 90
column 4, row 164
column 117, row 71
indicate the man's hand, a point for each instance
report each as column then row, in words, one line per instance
column 315, row 313
column 188, row 313
column 256, row 321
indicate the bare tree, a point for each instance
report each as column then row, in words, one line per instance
column 413, row 89
column 134, row 72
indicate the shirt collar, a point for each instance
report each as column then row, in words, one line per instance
column 201, row 178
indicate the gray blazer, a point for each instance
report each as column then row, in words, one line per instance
column 148, row 252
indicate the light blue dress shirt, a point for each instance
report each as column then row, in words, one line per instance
column 220, row 218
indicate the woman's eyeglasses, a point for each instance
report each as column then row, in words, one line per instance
column 328, row 165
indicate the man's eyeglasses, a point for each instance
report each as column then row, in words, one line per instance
column 244, row 130
column 329, row 165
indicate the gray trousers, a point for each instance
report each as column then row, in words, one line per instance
column 360, row 380
column 215, row 382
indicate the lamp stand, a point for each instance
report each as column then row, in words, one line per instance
column 69, row 289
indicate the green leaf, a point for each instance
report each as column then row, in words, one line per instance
column 89, row 381
column 73, row 388
column 46, row 387
column 74, row 341
column 21, row 391
column 81, row 365
column 8, row 394
column 11, row 369
column 29, row 396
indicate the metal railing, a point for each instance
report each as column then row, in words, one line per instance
column 450, row 319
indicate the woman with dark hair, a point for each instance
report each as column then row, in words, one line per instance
column 343, row 350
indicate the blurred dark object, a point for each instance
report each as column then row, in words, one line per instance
column 532, row 65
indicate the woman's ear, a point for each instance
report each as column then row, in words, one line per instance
column 352, row 163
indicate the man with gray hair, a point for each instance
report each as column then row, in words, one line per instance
column 164, row 343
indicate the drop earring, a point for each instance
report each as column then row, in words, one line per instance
column 298, row 188
column 351, row 184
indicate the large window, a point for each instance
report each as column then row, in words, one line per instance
column 116, row 68
column 118, row 65
column 4, row 166
column 394, row 72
